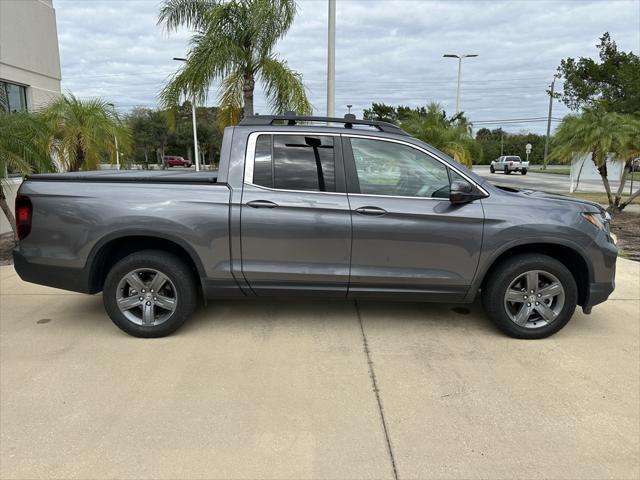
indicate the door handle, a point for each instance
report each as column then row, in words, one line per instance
column 262, row 204
column 375, row 211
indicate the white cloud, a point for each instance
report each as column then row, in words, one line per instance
column 386, row 51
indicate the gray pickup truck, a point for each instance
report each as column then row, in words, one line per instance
column 314, row 206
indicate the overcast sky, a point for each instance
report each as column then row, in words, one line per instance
column 386, row 51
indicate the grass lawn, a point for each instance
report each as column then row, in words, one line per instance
column 567, row 171
column 600, row 198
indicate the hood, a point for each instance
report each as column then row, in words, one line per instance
column 587, row 205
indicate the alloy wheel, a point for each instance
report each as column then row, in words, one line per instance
column 146, row 297
column 534, row 299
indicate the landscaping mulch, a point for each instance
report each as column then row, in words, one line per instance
column 6, row 247
column 626, row 226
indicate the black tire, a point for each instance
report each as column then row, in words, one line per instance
column 495, row 288
column 507, row 171
column 180, row 277
column 524, row 171
column 491, row 169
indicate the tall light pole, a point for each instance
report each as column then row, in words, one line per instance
column 546, row 140
column 115, row 137
column 195, row 130
column 331, row 61
column 459, row 57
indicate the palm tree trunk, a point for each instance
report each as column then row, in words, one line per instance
column 623, row 180
column 7, row 212
column 247, row 92
column 77, row 163
column 602, row 170
column 631, row 199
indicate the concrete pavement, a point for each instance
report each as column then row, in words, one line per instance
column 277, row 389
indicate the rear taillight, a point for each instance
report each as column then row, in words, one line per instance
column 24, row 212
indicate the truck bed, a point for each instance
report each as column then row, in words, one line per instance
column 151, row 176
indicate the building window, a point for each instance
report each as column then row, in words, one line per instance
column 13, row 98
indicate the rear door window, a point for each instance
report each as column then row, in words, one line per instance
column 295, row 162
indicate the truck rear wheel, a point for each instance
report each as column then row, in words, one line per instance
column 530, row 296
column 150, row 293
column 523, row 171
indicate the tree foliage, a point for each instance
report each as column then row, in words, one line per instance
column 82, row 132
column 233, row 43
column 598, row 133
column 156, row 133
column 23, row 149
column 430, row 123
column 614, row 82
column 497, row 142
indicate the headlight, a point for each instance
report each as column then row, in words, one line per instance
column 596, row 220
column 601, row 222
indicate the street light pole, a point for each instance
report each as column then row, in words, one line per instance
column 115, row 137
column 546, row 140
column 195, row 129
column 331, row 61
column 459, row 57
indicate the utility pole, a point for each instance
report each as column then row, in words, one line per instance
column 459, row 57
column 501, row 142
column 331, row 61
column 546, row 141
column 115, row 137
column 195, row 129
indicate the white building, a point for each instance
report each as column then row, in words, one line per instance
column 29, row 55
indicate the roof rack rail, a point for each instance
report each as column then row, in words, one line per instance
column 348, row 121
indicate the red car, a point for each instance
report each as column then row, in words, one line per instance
column 173, row 161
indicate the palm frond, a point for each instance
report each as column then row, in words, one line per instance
column 187, row 13
column 24, row 143
column 283, row 87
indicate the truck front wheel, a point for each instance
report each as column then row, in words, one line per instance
column 150, row 293
column 530, row 296
column 523, row 171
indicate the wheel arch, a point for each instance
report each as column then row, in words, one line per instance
column 569, row 255
column 114, row 247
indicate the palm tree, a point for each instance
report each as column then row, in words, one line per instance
column 23, row 148
column 594, row 132
column 630, row 151
column 234, row 43
column 83, row 131
column 451, row 135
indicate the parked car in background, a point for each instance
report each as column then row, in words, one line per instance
column 354, row 209
column 508, row 164
column 174, row 161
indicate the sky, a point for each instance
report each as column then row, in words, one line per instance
column 386, row 51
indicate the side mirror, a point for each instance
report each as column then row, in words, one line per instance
column 462, row 192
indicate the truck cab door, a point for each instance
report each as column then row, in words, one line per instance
column 295, row 221
column 409, row 240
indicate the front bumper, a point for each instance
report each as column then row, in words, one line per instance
column 603, row 255
column 597, row 293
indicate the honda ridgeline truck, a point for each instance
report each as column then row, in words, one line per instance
column 314, row 206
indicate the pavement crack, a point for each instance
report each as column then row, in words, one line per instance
column 376, row 391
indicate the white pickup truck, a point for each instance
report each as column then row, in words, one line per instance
column 508, row 164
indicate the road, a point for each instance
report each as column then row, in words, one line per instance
column 540, row 181
column 316, row 389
